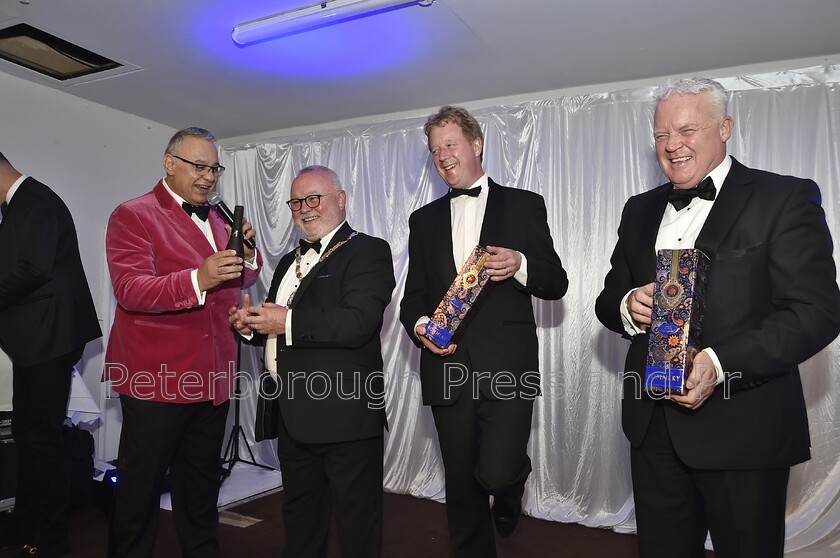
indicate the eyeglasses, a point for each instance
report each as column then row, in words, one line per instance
column 312, row 201
column 217, row 170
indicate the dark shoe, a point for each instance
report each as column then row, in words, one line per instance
column 54, row 551
column 506, row 516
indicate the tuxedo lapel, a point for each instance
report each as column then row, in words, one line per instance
column 217, row 225
column 181, row 223
column 342, row 234
column 442, row 245
column 728, row 206
column 7, row 212
column 490, row 230
column 648, row 228
column 21, row 199
column 279, row 272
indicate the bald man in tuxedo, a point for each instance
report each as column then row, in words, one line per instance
column 320, row 327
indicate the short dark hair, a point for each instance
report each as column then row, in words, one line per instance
column 193, row 132
column 459, row 116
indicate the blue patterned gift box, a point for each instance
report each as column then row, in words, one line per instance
column 679, row 300
column 450, row 318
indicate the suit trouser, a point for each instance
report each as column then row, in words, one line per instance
column 317, row 478
column 39, row 408
column 187, row 440
column 483, row 444
column 676, row 505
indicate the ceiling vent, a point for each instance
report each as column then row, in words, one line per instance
column 59, row 60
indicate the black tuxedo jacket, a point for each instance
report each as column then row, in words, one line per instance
column 46, row 310
column 331, row 387
column 502, row 336
column 772, row 302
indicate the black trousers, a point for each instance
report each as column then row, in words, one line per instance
column 319, row 478
column 187, row 440
column 677, row 505
column 483, row 444
column 39, row 409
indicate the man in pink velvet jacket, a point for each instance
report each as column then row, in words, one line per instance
column 172, row 354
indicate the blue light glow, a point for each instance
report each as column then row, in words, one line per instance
column 364, row 46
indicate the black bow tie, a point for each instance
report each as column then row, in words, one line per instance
column 306, row 245
column 202, row 211
column 4, row 207
column 472, row 192
column 681, row 198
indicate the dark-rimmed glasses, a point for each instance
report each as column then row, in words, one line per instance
column 312, row 201
column 217, row 170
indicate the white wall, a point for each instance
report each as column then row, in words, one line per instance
column 94, row 157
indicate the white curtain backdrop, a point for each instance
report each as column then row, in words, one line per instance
column 586, row 155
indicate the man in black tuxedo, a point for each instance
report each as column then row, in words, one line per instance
column 717, row 459
column 481, row 389
column 46, row 318
column 320, row 326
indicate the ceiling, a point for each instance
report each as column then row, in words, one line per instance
column 189, row 71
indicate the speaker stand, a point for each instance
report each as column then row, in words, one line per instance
column 231, row 455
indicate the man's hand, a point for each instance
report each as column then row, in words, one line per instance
column 236, row 316
column 218, row 268
column 421, row 335
column 503, row 263
column 640, row 304
column 247, row 233
column 268, row 319
column 700, row 384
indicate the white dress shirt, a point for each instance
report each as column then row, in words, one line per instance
column 679, row 230
column 13, row 188
column 288, row 286
column 466, row 220
column 207, row 231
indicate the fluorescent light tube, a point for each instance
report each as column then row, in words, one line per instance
column 324, row 13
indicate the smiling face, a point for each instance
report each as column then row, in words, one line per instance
column 182, row 177
column 690, row 138
column 314, row 222
column 457, row 160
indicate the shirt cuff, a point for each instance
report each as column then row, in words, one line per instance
column 718, row 368
column 629, row 324
column 252, row 264
column 289, row 327
column 521, row 274
column 423, row 320
column 201, row 296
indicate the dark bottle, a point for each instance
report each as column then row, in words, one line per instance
column 235, row 242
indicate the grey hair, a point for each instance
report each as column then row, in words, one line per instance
column 694, row 85
column 326, row 170
column 192, row 132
